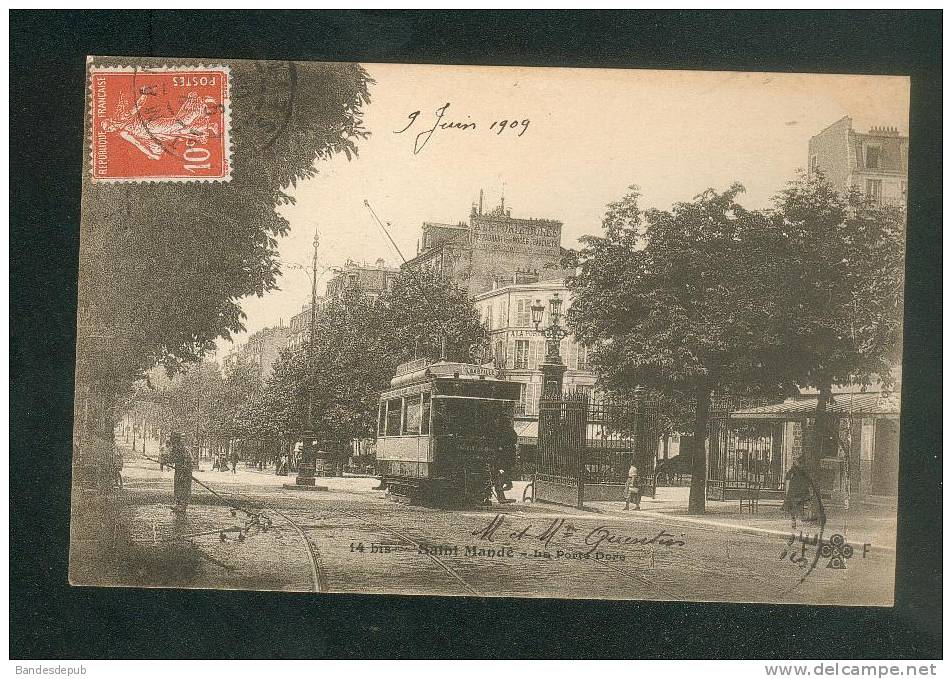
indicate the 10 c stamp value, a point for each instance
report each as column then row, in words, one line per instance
column 160, row 124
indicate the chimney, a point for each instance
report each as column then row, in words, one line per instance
column 480, row 201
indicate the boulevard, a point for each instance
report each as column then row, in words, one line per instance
column 351, row 538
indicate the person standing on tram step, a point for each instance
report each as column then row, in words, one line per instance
column 633, row 487
column 799, row 490
column 181, row 462
column 506, row 442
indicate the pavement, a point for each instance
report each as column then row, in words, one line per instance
column 862, row 524
column 253, row 533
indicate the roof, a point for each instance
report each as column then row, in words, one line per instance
column 876, row 403
column 554, row 284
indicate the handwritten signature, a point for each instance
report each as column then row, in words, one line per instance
column 423, row 138
column 565, row 530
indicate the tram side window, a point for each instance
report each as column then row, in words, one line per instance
column 411, row 416
column 425, row 415
column 394, row 411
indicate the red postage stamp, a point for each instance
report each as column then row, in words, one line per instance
column 160, row 124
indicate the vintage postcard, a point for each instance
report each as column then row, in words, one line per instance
column 490, row 331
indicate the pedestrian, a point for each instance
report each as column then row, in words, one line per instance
column 181, row 462
column 501, row 483
column 163, row 452
column 234, row 462
column 633, row 487
column 799, row 490
column 505, row 442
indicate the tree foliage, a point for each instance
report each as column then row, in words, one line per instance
column 163, row 265
column 840, row 285
column 675, row 300
column 712, row 297
column 358, row 343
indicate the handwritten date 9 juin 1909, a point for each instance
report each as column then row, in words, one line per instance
column 441, row 122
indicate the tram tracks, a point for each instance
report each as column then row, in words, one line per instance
column 313, row 534
column 434, row 558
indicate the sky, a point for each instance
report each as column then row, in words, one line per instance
column 591, row 133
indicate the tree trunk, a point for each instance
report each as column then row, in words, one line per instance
column 664, row 453
column 821, row 427
column 702, row 412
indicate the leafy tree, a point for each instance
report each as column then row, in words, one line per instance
column 426, row 310
column 677, row 301
column 164, row 265
column 840, row 292
column 358, row 344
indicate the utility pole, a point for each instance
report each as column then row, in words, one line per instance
column 307, row 466
column 312, row 330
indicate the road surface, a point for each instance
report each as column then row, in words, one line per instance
column 351, row 538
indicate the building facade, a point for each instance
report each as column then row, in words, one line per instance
column 517, row 348
column 299, row 327
column 371, row 280
column 874, row 162
column 262, row 349
column 491, row 247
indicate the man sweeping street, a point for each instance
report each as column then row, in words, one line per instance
column 181, row 461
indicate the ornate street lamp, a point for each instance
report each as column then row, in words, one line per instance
column 553, row 369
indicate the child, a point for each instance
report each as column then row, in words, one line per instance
column 633, row 488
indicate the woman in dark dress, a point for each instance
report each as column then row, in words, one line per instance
column 799, row 490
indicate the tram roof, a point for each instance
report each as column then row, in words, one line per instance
column 421, row 370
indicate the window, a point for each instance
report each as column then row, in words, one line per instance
column 532, row 398
column 489, row 316
column 503, row 320
column 394, row 413
column 500, row 356
column 874, row 157
column 874, row 190
column 536, row 353
column 521, row 358
column 412, row 411
column 425, row 415
column 582, row 362
column 523, row 313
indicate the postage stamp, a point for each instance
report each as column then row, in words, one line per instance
column 160, row 124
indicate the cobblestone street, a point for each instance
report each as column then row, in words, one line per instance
column 350, row 538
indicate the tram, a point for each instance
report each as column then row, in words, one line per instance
column 442, row 427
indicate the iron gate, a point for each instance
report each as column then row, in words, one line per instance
column 586, row 445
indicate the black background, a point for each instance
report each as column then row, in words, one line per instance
column 50, row 619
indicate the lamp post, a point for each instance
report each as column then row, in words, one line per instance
column 553, row 369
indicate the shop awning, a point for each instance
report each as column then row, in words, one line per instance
column 844, row 405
